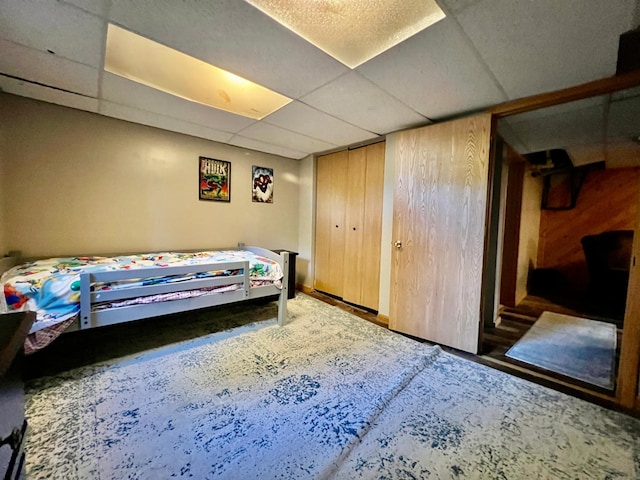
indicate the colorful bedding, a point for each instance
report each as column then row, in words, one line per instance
column 51, row 287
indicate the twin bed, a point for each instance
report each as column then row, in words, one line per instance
column 78, row 293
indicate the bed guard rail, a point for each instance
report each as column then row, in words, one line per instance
column 89, row 298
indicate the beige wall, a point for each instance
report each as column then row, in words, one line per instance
column 529, row 232
column 306, row 225
column 83, row 183
column 3, row 223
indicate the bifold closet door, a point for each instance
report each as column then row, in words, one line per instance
column 439, row 211
column 364, row 226
column 331, row 198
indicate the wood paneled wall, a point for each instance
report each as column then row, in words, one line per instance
column 607, row 201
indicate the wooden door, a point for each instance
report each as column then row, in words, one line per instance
column 439, row 211
column 330, row 222
column 627, row 390
column 364, row 225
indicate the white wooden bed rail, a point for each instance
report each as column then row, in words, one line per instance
column 283, row 260
column 89, row 318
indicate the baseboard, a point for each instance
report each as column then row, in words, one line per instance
column 383, row 318
column 304, row 288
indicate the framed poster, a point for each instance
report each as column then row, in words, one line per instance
column 215, row 180
column 262, row 184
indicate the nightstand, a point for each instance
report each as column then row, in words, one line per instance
column 14, row 328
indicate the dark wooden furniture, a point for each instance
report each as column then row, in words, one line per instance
column 608, row 257
column 13, row 330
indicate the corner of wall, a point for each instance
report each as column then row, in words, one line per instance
column 529, row 232
column 306, row 222
column 387, row 227
column 3, row 190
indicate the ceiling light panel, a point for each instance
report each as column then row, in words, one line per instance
column 158, row 66
column 353, row 31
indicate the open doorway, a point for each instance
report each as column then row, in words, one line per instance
column 570, row 180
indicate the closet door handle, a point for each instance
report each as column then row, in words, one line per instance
column 397, row 244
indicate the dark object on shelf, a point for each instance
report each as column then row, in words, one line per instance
column 608, row 257
column 292, row 272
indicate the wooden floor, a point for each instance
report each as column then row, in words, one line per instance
column 496, row 341
column 348, row 307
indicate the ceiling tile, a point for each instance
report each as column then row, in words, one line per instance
column 456, row 6
column 308, row 121
column 510, row 137
column 49, row 25
column 558, row 110
column 436, row 72
column 543, row 45
column 44, row 68
column 560, row 130
column 585, row 154
column 235, row 36
column 99, row 7
column 130, row 114
column 240, row 141
column 126, row 92
column 285, row 138
column 356, row 100
column 51, row 95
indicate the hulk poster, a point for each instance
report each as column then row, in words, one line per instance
column 215, row 179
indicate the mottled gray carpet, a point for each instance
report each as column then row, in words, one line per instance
column 577, row 347
column 327, row 396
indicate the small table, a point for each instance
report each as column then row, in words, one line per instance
column 14, row 328
column 291, row 286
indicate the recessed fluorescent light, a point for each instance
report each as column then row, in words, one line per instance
column 145, row 61
column 353, row 31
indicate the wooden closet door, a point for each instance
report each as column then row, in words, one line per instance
column 439, row 211
column 364, row 226
column 331, row 198
column 353, row 272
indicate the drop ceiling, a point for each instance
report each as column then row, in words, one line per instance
column 602, row 128
column 484, row 52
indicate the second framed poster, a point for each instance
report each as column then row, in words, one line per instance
column 262, row 184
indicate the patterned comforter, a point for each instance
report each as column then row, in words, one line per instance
column 51, row 287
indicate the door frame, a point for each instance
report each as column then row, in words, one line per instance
column 626, row 393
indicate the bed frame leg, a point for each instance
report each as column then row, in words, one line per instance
column 284, row 293
column 85, row 301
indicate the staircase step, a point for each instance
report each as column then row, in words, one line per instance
column 518, row 317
